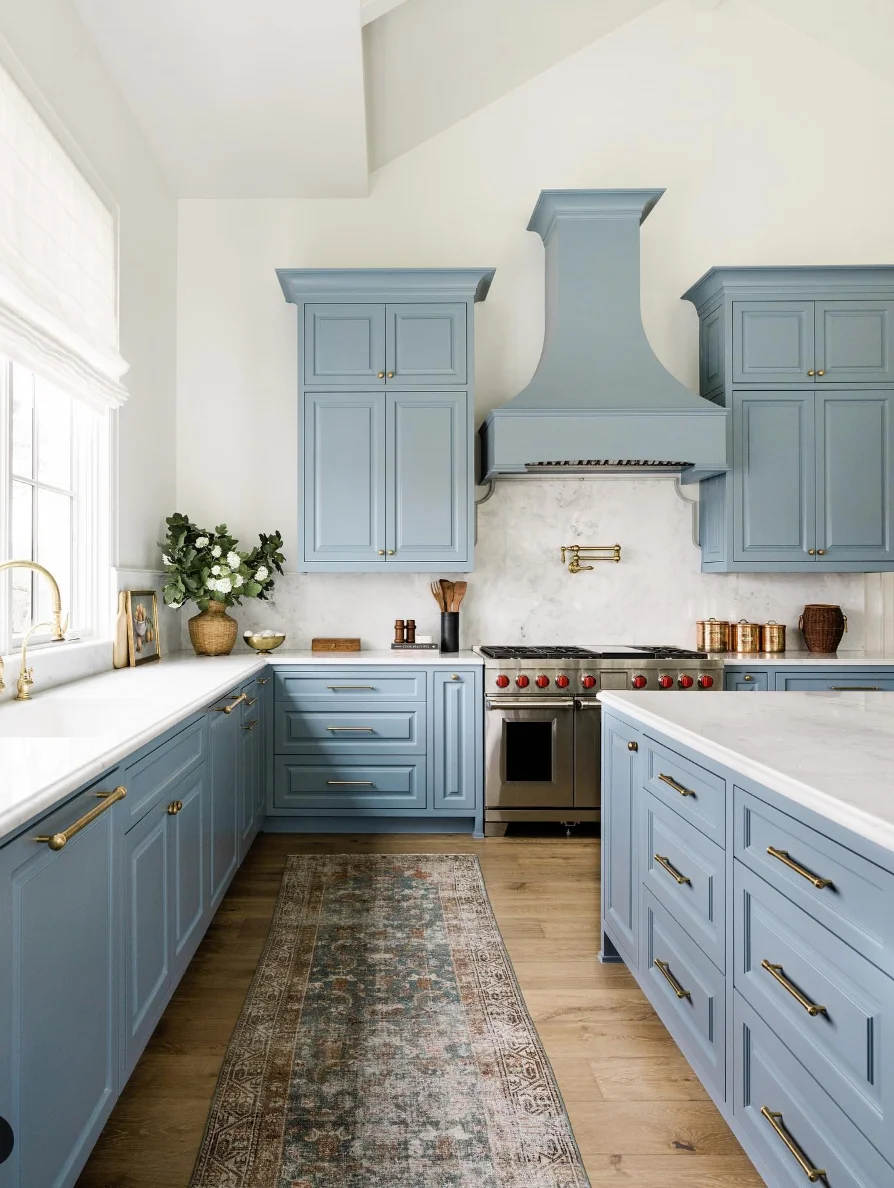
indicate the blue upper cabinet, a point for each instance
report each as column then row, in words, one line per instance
column 805, row 359
column 387, row 417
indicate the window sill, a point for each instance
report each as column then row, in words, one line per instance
column 60, row 663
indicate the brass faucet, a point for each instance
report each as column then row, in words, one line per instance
column 591, row 553
column 26, row 677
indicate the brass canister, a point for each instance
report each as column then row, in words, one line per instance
column 744, row 636
column 773, row 637
column 711, row 635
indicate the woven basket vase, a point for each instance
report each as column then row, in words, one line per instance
column 822, row 625
column 213, row 632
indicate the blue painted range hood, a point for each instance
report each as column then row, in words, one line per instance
column 600, row 400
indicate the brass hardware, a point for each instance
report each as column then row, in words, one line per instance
column 633, row 746
column 820, row 372
column 350, row 687
column 747, row 677
column 391, row 552
column 57, row 841
column 811, row 371
column 855, row 688
column 664, row 968
column 263, row 680
column 350, row 783
column 250, row 701
column 174, row 807
column 454, row 676
column 26, row 674
column 391, row 375
column 820, row 552
column 59, row 628
column 672, row 871
column 592, row 553
column 774, row 1117
column 352, row 729
column 672, row 783
column 776, row 971
column 250, row 725
column 811, row 552
column 381, row 552
column 784, row 858
column 380, row 375
column 228, row 709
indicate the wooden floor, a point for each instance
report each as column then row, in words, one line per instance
column 640, row 1117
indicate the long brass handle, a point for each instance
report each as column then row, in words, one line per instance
column 56, row 841
column 228, row 709
column 774, row 1117
column 353, row 729
column 855, row 688
column 350, row 783
column 174, row 807
column 250, row 725
column 263, row 680
column 783, row 857
column 664, row 968
column 250, row 701
column 672, row 871
column 336, row 688
column 672, row 783
column 776, row 971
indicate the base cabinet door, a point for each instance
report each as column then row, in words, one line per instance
column 746, row 682
column 223, row 800
column 188, row 871
column 456, row 777
column 59, row 962
column 620, row 774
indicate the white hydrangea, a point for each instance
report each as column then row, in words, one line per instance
column 234, row 560
column 224, row 585
column 215, row 569
column 238, row 580
column 216, row 551
column 201, row 542
column 165, row 559
column 262, row 574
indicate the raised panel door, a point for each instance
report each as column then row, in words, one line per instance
column 620, row 880
column 746, row 682
column 344, row 478
column 148, row 969
column 188, row 876
column 457, row 774
column 773, row 342
column 426, row 344
column 428, row 478
column 344, row 345
column 855, row 342
column 774, row 502
column 223, row 802
column 854, row 493
column 248, row 789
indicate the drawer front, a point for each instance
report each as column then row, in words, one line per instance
column 153, row 775
column 832, row 1007
column 836, row 682
column 690, row 790
column 675, row 851
column 856, row 905
column 354, row 786
column 687, row 990
column 809, row 1122
column 753, row 681
column 336, row 686
column 339, row 731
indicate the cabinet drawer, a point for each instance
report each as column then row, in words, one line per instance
column 338, row 685
column 832, row 1007
column 698, row 902
column 856, row 905
column 769, row 1077
column 690, row 790
column 874, row 682
column 357, row 785
column 753, row 681
column 689, row 995
column 335, row 731
column 153, row 775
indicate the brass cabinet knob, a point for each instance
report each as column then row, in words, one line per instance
column 381, row 552
column 380, row 375
column 747, row 677
column 174, row 807
column 391, row 375
column 820, row 552
column 455, row 676
column 633, row 746
column 391, row 552
column 820, row 372
column 811, row 372
column 810, row 552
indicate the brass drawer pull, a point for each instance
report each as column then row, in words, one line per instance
column 776, row 971
column 336, row 688
column 352, row 729
column 228, row 709
column 263, row 680
column 250, row 725
column 672, row 871
column 350, row 783
column 664, row 968
column 774, row 1117
column 672, row 783
column 174, row 807
column 855, row 688
column 56, row 841
column 784, row 858
column 250, row 701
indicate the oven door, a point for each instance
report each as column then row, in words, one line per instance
column 530, row 753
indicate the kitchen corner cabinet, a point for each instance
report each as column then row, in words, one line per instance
column 804, row 357
column 386, row 417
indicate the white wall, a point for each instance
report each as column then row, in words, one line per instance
column 64, row 71
column 773, row 150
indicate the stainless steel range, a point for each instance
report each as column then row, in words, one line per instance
column 542, row 728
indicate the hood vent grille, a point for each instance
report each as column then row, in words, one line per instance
column 607, row 464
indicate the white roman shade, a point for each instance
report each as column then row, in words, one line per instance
column 58, row 274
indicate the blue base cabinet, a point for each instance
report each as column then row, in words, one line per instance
column 807, row 678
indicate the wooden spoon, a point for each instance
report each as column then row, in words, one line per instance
column 459, row 593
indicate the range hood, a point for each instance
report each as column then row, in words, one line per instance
column 600, row 400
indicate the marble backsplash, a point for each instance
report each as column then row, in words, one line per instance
column 520, row 591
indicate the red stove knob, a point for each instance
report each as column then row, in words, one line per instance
column 589, row 682
column 686, row 681
column 639, row 682
column 562, row 681
column 502, row 681
column 665, row 681
column 522, row 681
column 542, row 681
column 705, row 681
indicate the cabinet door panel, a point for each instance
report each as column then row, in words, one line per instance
column 344, row 345
column 344, row 477
column 854, row 341
column 224, row 802
column 746, row 682
column 855, row 498
column 454, row 753
column 620, row 880
column 148, row 923
column 773, row 342
column 188, row 875
column 426, row 344
column 428, row 468
column 774, row 476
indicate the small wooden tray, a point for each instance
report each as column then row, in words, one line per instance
column 335, row 645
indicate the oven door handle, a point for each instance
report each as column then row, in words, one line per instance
column 528, row 703
column 581, row 704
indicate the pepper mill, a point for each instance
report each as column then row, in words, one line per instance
column 411, row 630
column 399, row 635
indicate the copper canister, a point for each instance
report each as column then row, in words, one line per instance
column 711, row 635
column 773, row 637
column 744, row 636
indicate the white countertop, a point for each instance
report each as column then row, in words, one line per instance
column 69, row 735
column 831, row 752
column 855, row 658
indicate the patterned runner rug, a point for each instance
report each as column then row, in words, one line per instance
column 384, row 1042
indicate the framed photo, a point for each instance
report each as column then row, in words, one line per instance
column 143, row 643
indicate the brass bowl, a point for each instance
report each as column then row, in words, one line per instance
column 263, row 644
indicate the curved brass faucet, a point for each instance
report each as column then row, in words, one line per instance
column 59, row 627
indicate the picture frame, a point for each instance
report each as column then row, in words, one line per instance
column 143, row 641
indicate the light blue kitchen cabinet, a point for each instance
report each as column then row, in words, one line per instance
column 224, row 794
column 188, row 872
column 621, row 779
column 250, row 768
column 806, row 678
column 386, row 399
column 772, row 341
column 740, row 681
column 455, row 747
column 854, row 342
column 59, row 988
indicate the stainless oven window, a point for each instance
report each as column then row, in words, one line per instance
column 529, row 752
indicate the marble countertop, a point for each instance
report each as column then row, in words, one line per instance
column 854, row 658
column 831, row 752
